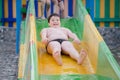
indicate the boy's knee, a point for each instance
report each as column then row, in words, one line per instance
column 55, row 53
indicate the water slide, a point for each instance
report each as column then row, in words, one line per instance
column 36, row 64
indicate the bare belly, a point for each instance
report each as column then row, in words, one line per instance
column 57, row 37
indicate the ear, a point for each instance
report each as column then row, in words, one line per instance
column 48, row 24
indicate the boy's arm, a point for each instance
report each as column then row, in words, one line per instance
column 43, row 35
column 73, row 36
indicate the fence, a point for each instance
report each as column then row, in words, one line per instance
column 8, row 13
column 107, row 13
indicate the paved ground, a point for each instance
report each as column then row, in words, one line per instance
column 112, row 39
column 9, row 59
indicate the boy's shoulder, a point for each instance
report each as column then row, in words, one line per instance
column 64, row 28
column 45, row 28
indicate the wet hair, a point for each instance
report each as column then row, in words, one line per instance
column 54, row 14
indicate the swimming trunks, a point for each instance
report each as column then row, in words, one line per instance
column 58, row 40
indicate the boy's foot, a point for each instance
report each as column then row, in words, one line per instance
column 83, row 55
column 42, row 17
column 67, row 17
column 57, row 57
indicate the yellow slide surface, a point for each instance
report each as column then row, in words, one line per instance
column 36, row 64
column 47, row 64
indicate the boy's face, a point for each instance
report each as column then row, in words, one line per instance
column 54, row 21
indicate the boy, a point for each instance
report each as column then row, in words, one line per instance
column 56, row 40
column 58, row 5
column 43, row 3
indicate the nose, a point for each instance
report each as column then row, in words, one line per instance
column 55, row 21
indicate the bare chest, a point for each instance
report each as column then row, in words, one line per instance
column 56, row 32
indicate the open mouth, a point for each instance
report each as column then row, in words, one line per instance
column 55, row 24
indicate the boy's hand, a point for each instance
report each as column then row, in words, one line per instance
column 77, row 41
column 45, row 40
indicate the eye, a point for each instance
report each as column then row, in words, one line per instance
column 57, row 19
column 52, row 19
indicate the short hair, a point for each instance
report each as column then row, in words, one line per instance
column 54, row 14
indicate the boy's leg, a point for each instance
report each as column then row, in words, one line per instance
column 68, row 48
column 65, row 8
column 61, row 6
column 48, row 8
column 56, row 8
column 42, row 8
column 54, row 48
column 74, row 4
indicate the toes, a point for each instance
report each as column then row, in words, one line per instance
column 82, row 56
